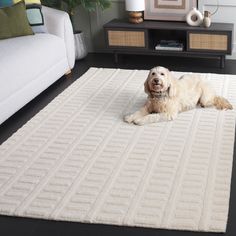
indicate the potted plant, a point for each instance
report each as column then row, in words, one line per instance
column 69, row 6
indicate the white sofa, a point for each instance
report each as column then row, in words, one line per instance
column 30, row 64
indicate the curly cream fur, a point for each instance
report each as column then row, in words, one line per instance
column 168, row 96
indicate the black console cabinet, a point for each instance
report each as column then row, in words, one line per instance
column 123, row 37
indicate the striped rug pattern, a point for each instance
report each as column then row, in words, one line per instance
column 76, row 160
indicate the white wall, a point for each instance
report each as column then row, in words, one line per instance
column 99, row 18
column 92, row 23
column 225, row 14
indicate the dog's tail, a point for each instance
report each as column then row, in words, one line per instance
column 222, row 103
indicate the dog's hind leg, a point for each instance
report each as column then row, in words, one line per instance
column 208, row 99
column 222, row 103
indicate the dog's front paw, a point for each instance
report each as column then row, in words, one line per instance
column 171, row 116
column 149, row 119
column 139, row 121
column 129, row 118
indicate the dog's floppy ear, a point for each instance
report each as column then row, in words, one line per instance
column 172, row 87
column 172, row 90
column 146, row 87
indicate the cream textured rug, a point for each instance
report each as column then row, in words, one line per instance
column 78, row 161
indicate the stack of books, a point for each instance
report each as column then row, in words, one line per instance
column 169, row 45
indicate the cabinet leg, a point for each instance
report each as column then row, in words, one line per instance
column 222, row 61
column 116, row 57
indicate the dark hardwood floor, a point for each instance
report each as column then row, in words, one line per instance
column 13, row 226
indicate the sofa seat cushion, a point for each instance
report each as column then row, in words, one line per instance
column 23, row 59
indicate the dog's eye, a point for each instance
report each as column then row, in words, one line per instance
column 153, row 73
column 162, row 74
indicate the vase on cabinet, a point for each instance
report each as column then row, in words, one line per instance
column 194, row 17
column 207, row 19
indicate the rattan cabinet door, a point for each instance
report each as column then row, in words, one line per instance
column 208, row 41
column 126, row 38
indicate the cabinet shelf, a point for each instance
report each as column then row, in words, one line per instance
column 125, row 38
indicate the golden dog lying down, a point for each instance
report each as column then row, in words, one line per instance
column 167, row 96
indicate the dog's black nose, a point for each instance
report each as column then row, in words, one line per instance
column 156, row 80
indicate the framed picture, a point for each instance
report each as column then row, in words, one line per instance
column 168, row 10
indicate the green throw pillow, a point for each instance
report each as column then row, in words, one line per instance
column 14, row 22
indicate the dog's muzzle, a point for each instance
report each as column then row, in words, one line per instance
column 157, row 84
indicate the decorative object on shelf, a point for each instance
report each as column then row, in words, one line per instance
column 135, row 8
column 208, row 15
column 169, row 45
column 174, row 10
column 207, row 19
column 194, row 17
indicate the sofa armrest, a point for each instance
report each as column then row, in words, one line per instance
column 59, row 24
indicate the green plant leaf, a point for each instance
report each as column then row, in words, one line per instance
column 70, row 5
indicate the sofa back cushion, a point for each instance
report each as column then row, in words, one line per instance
column 14, row 22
